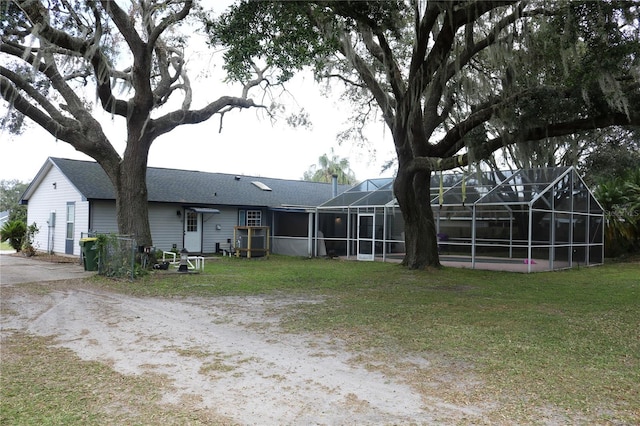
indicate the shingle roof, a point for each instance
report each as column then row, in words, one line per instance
column 200, row 188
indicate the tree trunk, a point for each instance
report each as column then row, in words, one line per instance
column 421, row 243
column 132, row 209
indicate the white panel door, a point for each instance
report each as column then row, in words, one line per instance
column 193, row 231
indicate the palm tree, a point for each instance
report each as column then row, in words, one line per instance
column 620, row 198
column 329, row 167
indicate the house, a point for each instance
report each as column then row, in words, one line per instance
column 4, row 217
column 196, row 210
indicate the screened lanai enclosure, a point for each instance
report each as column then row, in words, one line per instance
column 527, row 220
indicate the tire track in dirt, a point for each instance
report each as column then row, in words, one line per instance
column 216, row 360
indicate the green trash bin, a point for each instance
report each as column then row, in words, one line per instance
column 89, row 254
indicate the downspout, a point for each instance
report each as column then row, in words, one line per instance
column 49, row 250
column 310, row 224
column 473, row 236
column 384, row 233
column 349, row 231
column 315, row 242
column 530, row 237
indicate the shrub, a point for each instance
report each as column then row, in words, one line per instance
column 27, row 242
column 620, row 198
column 14, row 231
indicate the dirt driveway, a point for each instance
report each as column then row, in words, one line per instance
column 228, row 354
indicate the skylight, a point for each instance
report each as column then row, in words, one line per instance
column 261, row 185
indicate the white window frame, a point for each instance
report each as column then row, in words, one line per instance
column 254, row 217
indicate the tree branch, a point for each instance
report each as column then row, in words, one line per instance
column 85, row 137
column 346, row 80
column 40, row 99
column 472, row 49
column 125, row 26
column 454, row 18
column 47, row 66
column 177, row 118
column 453, row 141
column 142, row 102
column 368, row 77
column 165, row 87
column 102, row 70
column 530, row 134
column 20, row 103
column 255, row 82
column 423, row 30
column 391, row 67
column 168, row 21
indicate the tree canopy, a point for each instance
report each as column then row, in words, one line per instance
column 62, row 60
column 328, row 167
column 10, row 192
column 454, row 81
column 611, row 155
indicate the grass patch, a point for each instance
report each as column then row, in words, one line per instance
column 4, row 245
column 556, row 346
column 564, row 339
column 45, row 385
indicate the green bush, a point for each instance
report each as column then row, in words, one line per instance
column 14, row 231
column 620, row 198
column 27, row 242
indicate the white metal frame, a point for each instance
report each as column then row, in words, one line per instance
column 193, row 262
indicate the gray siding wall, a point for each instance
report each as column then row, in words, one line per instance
column 46, row 199
column 103, row 217
column 227, row 219
column 166, row 225
column 167, row 228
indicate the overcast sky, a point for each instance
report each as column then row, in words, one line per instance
column 249, row 143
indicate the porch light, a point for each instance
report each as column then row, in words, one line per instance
column 184, row 257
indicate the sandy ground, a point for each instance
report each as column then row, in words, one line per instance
column 228, row 354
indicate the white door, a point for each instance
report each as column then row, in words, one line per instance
column 193, row 231
column 366, row 227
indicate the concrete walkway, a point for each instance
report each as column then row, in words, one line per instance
column 19, row 269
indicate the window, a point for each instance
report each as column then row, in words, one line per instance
column 192, row 221
column 249, row 218
column 254, row 218
column 71, row 216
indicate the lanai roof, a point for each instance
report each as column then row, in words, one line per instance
column 193, row 187
column 483, row 188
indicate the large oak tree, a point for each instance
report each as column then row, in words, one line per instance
column 61, row 59
column 453, row 81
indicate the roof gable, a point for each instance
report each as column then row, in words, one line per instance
column 200, row 188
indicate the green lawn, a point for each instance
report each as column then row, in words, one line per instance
column 562, row 342
column 569, row 339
